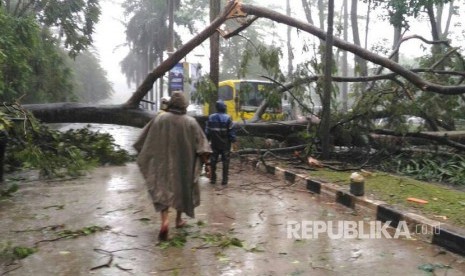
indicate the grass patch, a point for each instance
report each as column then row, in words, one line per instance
column 9, row 253
column 442, row 201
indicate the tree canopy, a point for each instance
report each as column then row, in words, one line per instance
column 38, row 45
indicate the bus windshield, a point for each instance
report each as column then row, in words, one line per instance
column 252, row 93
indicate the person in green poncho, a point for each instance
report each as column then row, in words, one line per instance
column 172, row 149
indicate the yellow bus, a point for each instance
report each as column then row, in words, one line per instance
column 243, row 97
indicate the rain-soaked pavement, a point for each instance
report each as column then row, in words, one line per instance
column 252, row 211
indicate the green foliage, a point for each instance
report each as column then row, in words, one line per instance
column 19, row 37
column 431, row 268
column 9, row 253
column 432, row 168
column 76, row 20
column 35, row 146
column 206, row 91
column 5, row 122
column 268, row 59
column 85, row 231
column 21, row 252
column 221, row 240
column 178, row 240
column 32, row 65
column 398, row 11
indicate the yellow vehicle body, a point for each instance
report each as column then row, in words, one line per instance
column 243, row 97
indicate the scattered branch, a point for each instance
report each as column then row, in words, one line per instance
column 444, row 140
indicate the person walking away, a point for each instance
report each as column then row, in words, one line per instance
column 172, row 147
column 221, row 134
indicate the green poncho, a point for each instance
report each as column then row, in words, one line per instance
column 169, row 148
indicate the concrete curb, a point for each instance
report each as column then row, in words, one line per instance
column 432, row 231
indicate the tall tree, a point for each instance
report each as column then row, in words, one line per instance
column 361, row 64
column 34, row 33
column 325, row 124
column 308, row 11
column 74, row 20
column 290, row 55
column 150, row 33
column 146, row 36
column 32, row 65
column 215, row 8
column 345, row 63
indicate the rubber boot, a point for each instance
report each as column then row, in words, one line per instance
column 225, row 172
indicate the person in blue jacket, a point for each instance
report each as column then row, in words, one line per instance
column 221, row 134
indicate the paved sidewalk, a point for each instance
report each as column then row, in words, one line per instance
column 254, row 209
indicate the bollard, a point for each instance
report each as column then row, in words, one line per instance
column 357, row 184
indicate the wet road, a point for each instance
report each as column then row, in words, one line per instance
column 254, row 209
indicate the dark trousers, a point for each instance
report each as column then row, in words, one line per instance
column 225, row 155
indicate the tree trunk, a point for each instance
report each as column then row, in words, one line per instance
column 117, row 114
column 215, row 8
column 345, row 66
column 436, row 49
column 170, row 46
column 120, row 115
column 367, row 24
column 396, row 40
column 362, row 64
column 325, row 124
column 321, row 14
column 290, row 55
column 445, row 32
column 308, row 12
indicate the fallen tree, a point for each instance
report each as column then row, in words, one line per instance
column 136, row 117
column 129, row 113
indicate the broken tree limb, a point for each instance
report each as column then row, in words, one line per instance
column 355, row 49
column 119, row 115
column 275, row 150
column 84, row 113
column 431, row 136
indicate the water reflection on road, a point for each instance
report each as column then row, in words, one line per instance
column 124, row 136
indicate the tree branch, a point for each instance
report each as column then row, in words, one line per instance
column 444, row 140
column 357, row 50
column 241, row 28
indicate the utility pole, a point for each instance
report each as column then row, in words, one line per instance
column 170, row 45
column 215, row 8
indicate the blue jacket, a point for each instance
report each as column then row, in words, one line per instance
column 220, row 131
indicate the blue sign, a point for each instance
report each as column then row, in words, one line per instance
column 176, row 78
